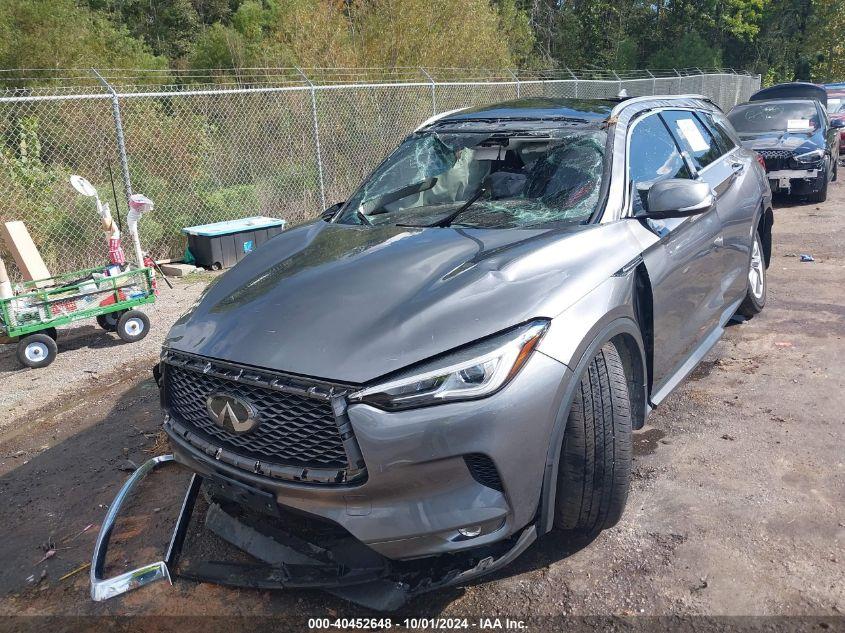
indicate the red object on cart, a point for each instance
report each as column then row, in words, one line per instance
column 67, row 306
column 116, row 254
column 121, row 296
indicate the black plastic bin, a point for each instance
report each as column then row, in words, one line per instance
column 224, row 244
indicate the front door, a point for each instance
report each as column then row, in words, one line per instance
column 683, row 266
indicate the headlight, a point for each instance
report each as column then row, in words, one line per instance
column 475, row 371
column 810, row 157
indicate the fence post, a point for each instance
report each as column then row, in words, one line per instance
column 516, row 79
column 680, row 80
column 316, row 136
column 433, row 91
column 653, row 82
column 575, row 78
column 118, row 128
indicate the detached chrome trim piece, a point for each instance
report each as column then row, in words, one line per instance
column 105, row 588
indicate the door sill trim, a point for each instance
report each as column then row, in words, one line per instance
column 694, row 359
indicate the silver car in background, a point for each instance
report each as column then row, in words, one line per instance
column 453, row 361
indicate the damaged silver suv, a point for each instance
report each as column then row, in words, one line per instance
column 453, row 360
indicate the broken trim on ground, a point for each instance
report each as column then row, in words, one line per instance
column 351, row 571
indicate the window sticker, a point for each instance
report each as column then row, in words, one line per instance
column 693, row 135
column 798, row 125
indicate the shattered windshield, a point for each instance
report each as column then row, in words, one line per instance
column 775, row 117
column 495, row 180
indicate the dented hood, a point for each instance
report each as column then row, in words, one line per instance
column 350, row 304
column 782, row 140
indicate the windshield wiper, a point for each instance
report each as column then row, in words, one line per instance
column 466, row 205
column 379, row 203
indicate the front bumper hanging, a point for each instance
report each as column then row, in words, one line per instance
column 287, row 561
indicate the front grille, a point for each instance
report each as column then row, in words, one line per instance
column 297, row 426
column 484, row 471
column 777, row 159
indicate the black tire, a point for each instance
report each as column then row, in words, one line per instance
column 595, row 467
column 755, row 294
column 109, row 320
column 37, row 350
column 821, row 194
column 835, row 171
column 52, row 332
column 133, row 326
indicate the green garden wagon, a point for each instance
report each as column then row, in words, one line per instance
column 32, row 316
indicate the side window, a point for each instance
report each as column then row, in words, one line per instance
column 718, row 130
column 653, row 156
column 693, row 137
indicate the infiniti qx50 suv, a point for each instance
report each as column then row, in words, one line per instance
column 453, row 360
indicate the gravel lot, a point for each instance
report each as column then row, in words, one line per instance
column 737, row 508
column 89, row 357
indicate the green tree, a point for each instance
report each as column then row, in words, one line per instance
column 825, row 46
column 60, row 34
column 690, row 51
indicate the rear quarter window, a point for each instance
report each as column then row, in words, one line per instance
column 720, row 130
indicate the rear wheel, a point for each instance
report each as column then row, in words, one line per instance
column 109, row 321
column 133, row 326
column 37, row 350
column 595, row 468
column 755, row 296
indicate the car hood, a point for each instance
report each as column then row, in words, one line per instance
column 350, row 304
column 782, row 140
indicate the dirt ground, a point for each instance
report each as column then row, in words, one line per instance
column 737, row 507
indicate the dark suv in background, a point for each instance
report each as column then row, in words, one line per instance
column 788, row 126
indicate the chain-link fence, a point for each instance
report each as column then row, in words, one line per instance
column 282, row 142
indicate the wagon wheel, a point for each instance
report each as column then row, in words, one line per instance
column 109, row 320
column 37, row 350
column 133, row 326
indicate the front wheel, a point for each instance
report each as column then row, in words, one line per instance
column 595, row 469
column 37, row 350
column 821, row 194
column 755, row 295
column 133, row 326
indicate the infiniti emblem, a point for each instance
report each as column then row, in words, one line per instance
column 231, row 413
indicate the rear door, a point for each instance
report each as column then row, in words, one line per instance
column 684, row 268
column 728, row 170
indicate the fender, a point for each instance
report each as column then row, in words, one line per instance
column 600, row 334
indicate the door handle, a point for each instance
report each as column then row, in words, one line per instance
column 737, row 168
column 719, row 242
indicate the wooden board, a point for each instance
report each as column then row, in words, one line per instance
column 26, row 256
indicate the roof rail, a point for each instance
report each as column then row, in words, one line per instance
column 634, row 100
column 436, row 117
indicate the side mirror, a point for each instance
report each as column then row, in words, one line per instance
column 329, row 213
column 837, row 124
column 678, row 198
